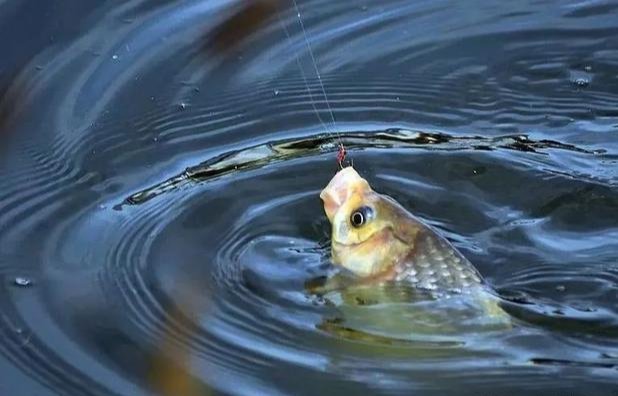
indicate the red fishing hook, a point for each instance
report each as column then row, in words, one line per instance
column 341, row 153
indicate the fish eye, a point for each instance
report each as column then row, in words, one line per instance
column 360, row 216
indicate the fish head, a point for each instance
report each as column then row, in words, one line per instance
column 364, row 225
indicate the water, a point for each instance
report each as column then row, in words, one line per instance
column 159, row 210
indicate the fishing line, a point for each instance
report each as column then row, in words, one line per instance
column 302, row 73
column 315, row 64
column 341, row 154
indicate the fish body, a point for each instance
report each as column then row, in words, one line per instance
column 374, row 237
column 380, row 243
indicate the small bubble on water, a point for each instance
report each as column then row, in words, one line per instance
column 580, row 78
column 560, row 288
column 22, row 282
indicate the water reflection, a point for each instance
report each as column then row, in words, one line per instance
column 160, row 194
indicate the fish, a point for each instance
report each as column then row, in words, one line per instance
column 378, row 242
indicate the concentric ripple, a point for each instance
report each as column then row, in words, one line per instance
column 159, row 210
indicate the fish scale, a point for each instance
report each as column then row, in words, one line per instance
column 436, row 265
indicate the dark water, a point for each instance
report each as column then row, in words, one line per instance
column 159, row 210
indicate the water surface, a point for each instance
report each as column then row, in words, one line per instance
column 159, row 210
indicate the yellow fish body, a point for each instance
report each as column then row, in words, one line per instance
column 381, row 243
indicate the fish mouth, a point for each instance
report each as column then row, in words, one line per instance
column 342, row 186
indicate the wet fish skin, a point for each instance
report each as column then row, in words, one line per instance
column 392, row 245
